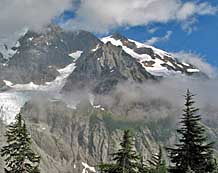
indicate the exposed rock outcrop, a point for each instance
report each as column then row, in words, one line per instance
column 101, row 70
column 65, row 137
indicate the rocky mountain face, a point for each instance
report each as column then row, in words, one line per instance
column 2, row 59
column 104, row 67
column 44, row 69
column 76, row 140
column 38, row 55
column 67, row 139
column 122, row 59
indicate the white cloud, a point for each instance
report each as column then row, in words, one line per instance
column 152, row 30
column 33, row 14
column 189, row 25
column 189, row 9
column 197, row 61
column 186, row 11
column 154, row 40
column 99, row 16
column 102, row 15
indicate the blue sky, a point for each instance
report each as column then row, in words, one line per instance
column 172, row 25
column 201, row 39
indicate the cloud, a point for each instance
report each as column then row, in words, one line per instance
column 188, row 12
column 152, row 30
column 190, row 9
column 153, row 100
column 197, row 61
column 154, row 40
column 102, row 16
column 33, row 14
column 189, row 25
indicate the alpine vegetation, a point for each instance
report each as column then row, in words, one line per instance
column 17, row 153
column 127, row 160
column 193, row 153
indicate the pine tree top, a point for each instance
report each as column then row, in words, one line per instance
column 193, row 152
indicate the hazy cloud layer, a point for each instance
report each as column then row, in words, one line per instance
column 154, row 100
column 102, row 16
column 164, row 98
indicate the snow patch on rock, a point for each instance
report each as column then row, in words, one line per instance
column 11, row 101
column 87, row 168
column 193, row 70
column 76, row 54
column 8, row 83
column 10, row 105
column 93, row 50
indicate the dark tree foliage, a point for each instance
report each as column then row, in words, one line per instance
column 125, row 160
column 193, row 153
column 18, row 155
column 142, row 167
column 126, row 157
column 158, row 163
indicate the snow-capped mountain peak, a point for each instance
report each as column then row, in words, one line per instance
column 155, row 61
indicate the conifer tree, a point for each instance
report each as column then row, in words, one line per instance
column 142, row 167
column 18, row 155
column 158, row 163
column 126, row 157
column 193, row 153
column 125, row 160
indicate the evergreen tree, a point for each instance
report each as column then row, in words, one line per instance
column 125, row 160
column 158, row 163
column 193, row 153
column 189, row 170
column 19, row 157
column 126, row 157
column 142, row 167
column 109, row 168
column 161, row 163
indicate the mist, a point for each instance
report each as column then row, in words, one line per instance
column 155, row 100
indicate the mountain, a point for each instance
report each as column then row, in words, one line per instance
column 65, row 84
column 68, row 139
column 157, row 62
column 39, row 55
column 120, row 59
column 103, row 67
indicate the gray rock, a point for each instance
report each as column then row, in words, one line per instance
column 40, row 51
column 65, row 137
column 101, row 70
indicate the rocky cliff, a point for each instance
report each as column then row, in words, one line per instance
column 69, row 138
